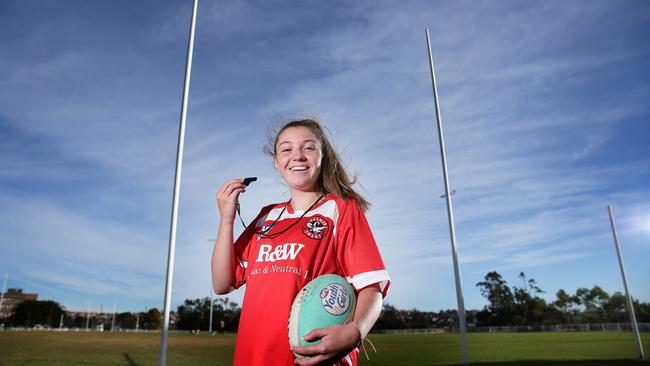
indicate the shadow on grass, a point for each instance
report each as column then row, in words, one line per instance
column 564, row 363
column 130, row 360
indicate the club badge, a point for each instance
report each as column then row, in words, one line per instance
column 316, row 228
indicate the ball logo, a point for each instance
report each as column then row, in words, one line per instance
column 316, row 228
column 335, row 299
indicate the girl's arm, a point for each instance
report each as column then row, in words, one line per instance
column 223, row 256
column 369, row 304
column 339, row 340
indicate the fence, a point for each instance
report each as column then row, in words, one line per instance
column 598, row 327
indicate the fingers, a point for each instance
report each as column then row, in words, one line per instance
column 227, row 197
column 312, row 349
column 311, row 361
column 231, row 186
column 309, row 350
column 335, row 342
column 316, row 334
column 317, row 352
column 234, row 192
column 231, row 190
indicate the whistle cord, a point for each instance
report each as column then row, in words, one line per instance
column 265, row 233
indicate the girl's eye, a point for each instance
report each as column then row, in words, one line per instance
column 310, row 148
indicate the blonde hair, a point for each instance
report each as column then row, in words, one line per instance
column 333, row 176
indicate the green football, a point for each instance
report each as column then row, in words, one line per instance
column 326, row 300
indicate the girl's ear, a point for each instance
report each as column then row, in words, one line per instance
column 275, row 164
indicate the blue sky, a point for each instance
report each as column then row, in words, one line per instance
column 545, row 106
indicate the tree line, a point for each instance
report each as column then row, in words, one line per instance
column 191, row 315
column 507, row 306
column 512, row 306
column 524, row 306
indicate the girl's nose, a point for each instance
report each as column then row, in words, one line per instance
column 299, row 155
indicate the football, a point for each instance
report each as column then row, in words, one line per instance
column 326, row 300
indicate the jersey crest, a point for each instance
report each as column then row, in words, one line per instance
column 316, row 228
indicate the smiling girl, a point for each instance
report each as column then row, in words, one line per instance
column 321, row 229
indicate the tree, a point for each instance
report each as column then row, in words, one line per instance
column 32, row 312
column 126, row 320
column 77, row 321
column 417, row 319
column 152, row 319
column 593, row 301
column 529, row 308
column 228, row 311
column 567, row 305
column 195, row 314
column 496, row 290
column 390, row 318
column 616, row 308
column 564, row 301
column 642, row 311
column 190, row 314
column 501, row 299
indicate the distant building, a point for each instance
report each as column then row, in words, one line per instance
column 11, row 299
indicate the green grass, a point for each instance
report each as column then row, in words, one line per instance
column 142, row 349
column 132, row 349
column 505, row 349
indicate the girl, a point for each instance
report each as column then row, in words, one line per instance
column 321, row 230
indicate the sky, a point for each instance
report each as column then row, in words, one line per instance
column 545, row 107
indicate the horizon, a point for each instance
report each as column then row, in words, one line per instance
column 174, row 310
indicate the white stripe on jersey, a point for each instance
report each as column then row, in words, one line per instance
column 327, row 209
column 348, row 360
column 368, row 278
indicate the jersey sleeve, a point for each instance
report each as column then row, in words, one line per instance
column 357, row 250
column 242, row 248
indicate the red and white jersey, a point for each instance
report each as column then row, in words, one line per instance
column 332, row 238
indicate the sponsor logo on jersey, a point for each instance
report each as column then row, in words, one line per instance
column 316, row 228
column 280, row 252
column 335, row 299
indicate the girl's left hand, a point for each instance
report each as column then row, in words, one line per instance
column 336, row 342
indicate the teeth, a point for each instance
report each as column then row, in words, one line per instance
column 298, row 168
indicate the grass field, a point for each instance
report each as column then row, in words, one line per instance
column 140, row 349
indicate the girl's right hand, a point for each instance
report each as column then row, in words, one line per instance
column 227, row 198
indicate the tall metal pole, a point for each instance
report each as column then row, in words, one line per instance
column 90, row 305
column 114, row 311
column 211, row 306
column 630, row 304
column 450, row 213
column 4, row 288
column 177, row 186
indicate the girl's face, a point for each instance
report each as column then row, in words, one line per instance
column 298, row 156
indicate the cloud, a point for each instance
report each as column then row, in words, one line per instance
column 68, row 249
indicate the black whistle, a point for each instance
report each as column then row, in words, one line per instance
column 249, row 180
